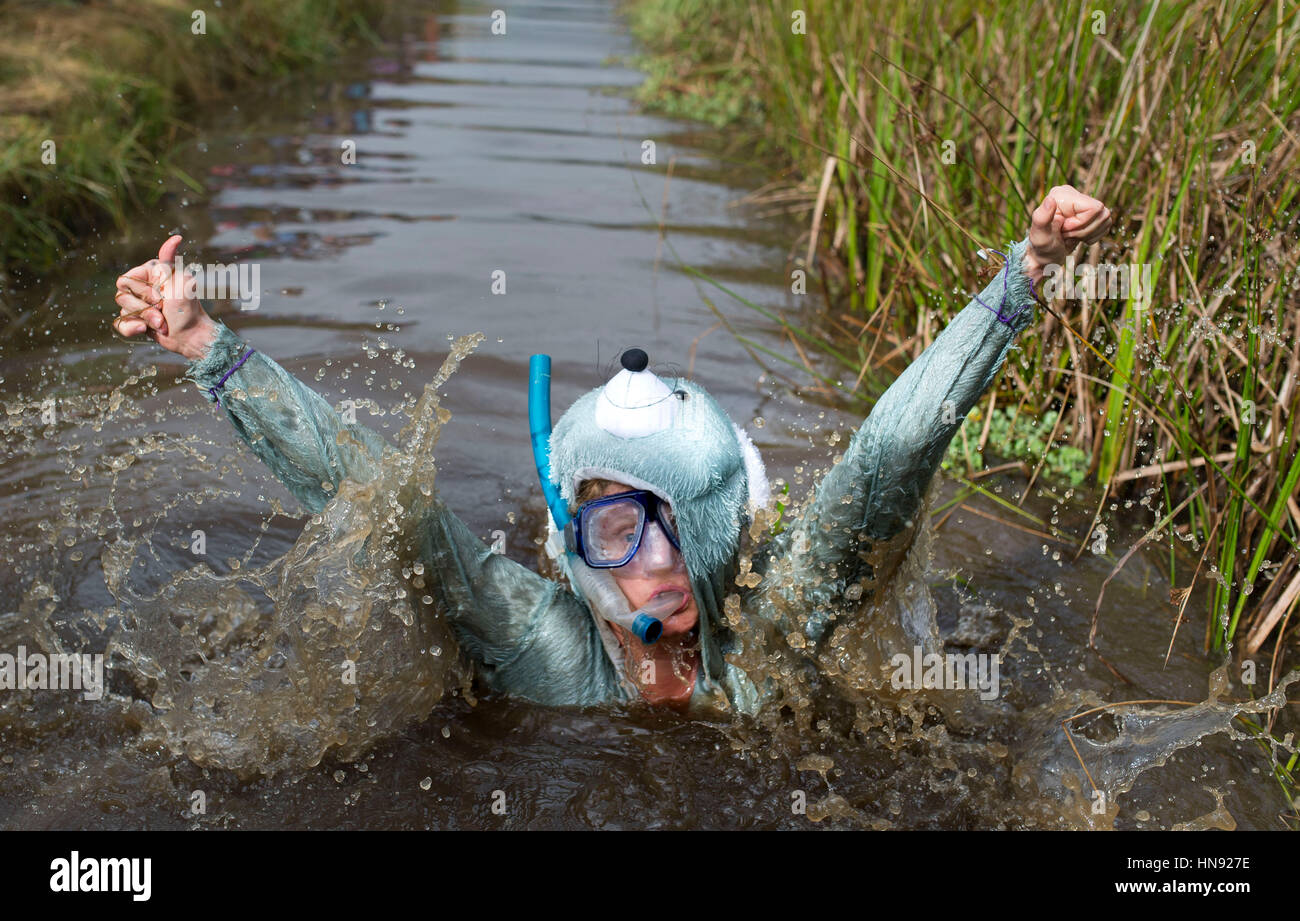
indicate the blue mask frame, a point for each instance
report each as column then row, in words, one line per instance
column 654, row 510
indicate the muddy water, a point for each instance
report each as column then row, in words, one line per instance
column 519, row 154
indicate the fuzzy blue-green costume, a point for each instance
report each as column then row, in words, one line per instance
column 538, row 639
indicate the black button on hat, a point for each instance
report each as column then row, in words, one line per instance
column 635, row 360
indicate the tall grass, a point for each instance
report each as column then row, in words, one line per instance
column 114, row 85
column 1184, row 117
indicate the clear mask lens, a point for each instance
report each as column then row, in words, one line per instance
column 611, row 532
column 656, row 555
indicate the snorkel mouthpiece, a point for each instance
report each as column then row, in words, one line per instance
column 648, row 622
column 645, row 628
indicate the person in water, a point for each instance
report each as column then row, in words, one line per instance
column 649, row 484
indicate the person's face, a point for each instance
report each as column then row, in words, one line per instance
column 661, row 569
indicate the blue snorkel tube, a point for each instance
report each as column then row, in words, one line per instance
column 539, row 428
column 607, row 599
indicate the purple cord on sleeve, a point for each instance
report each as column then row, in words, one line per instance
column 221, row 383
column 1007, row 318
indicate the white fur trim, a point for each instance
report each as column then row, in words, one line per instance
column 760, row 493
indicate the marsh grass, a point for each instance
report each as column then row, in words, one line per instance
column 115, row 85
column 1183, row 117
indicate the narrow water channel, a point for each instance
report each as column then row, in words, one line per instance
column 481, row 157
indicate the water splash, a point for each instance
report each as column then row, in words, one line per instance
column 245, row 672
column 1095, row 769
column 326, row 649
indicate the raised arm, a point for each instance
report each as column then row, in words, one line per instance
column 877, row 488
column 874, row 494
column 531, row 636
column 290, row 427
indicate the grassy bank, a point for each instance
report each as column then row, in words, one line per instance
column 105, row 91
column 917, row 133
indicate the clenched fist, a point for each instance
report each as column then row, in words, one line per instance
column 1065, row 219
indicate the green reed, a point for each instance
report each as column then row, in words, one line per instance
column 116, row 87
column 915, row 133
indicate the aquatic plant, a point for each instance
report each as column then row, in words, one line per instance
column 94, row 99
column 904, row 134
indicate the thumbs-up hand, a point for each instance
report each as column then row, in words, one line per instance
column 156, row 300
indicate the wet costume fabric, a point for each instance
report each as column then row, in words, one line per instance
column 536, row 638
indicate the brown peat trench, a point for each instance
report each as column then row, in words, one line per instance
column 522, row 153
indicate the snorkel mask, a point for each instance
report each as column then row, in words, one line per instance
column 608, row 532
column 628, row 529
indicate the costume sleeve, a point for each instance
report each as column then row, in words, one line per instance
column 533, row 636
column 289, row 426
column 877, row 488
